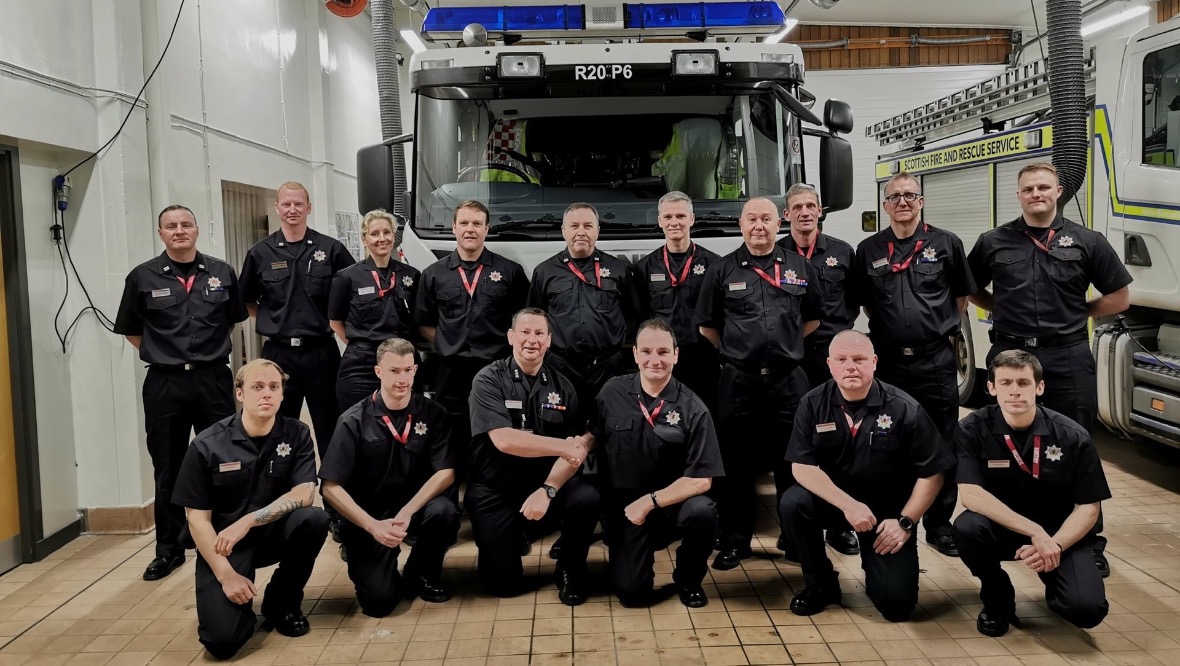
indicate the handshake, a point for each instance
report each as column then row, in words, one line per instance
column 576, row 450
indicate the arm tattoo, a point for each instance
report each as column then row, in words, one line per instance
column 277, row 509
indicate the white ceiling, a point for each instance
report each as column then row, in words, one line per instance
column 949, row 13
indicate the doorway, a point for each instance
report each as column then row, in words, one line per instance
column 248, row 217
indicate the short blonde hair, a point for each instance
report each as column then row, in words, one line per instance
column 1037, row 166
column 292, row 185
column 379, row 214
column 397, row 347
column 258, row 364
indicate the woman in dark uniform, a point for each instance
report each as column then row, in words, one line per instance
column 370, row 302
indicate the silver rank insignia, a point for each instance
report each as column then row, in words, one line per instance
column 214, row 283
column 495, row 276
column 832, row 262
column 604, row 272
column 698, row 270
column 407, row 281
column 420, row 429
column 283, row 450
column 884, row 422
column 673, row 418
column 319, row 255
column 554, row 398
column 1053, row 453
column 929, row 254
column 1065, row 241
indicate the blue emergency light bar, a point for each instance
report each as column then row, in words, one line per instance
column 506, row 19
column 674, row 16
column 703, row 15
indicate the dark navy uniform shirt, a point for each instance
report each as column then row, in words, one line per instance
column 589, row 317
column 1039, row 293
column 1070, row 471
column 502, row 396
column 895, row 445
column 290, row 283
column 181, row 321
column 831, row 259
column 761, row 324
column 226, row 472
column 912, row 303
column 375, row 304
column 641, row 458
column 668, row 288
column 472, row 324
column 380, row 473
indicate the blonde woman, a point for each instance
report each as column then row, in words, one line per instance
column 371, row 302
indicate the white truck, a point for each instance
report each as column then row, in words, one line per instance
column 967, row 149
column 612, row 105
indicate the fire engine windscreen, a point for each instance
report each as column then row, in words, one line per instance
column 528, row 159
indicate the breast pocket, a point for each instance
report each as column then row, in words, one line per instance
column 831, row 282
column 793, row 302
column 740, row 303
column 365, row 309
column 276, row 283
column 552, row 422
column 160, row 307
column 319, row 279
column 662, row 298
column 230, row 488
column 608, row 297
column 930, row 278
column 879, row 277
column 1067, row 264
column 888, row 452
column 1009, row 270
column 560, row 296
column 276, row 478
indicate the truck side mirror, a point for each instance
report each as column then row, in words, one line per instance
column 835, row 173
column 376, row 168
column 838, row 116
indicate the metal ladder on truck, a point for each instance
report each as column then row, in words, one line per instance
column 1018, row 92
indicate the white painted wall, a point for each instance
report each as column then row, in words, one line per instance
column 875, row 95
column 258, row 93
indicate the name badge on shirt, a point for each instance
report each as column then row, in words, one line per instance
column 825, row 427
column 737, row 286
column 880, row 262
column 278, row 265
column 365, row 291
column 658, row 277
column 514, row 404
column 160, row 293
column 230, row 466
column 998, row 464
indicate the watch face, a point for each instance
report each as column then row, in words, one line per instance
column 905, row 523
column 551, row 491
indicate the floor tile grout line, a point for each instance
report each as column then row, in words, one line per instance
column 79, row 592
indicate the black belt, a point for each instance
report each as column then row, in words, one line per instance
column 1039, row 342
column 920, row 349
column 316, row 341
column 763, row 370
column 185, row 367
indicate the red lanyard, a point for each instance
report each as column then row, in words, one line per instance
column 188, row 284
column 810, row 251
column 582, row 276
column 470, row 286
column 405, row 435
column 1036, row 470
column 377, row 278
column 897, row 268
column 853, row 427
column 776, row 280
column 650, row 416
column 676, row 282
column 1044, row 247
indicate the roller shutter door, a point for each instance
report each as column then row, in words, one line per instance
column 959, row 202
column 1007, row 203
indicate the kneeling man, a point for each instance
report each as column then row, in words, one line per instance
column 661, row 457
column 864, row 455
column 1033, row 486
column 386, row 471
column 248, row 482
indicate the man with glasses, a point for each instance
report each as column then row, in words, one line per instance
column 913, row 281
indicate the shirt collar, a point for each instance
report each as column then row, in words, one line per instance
column 277, row 239
column 744, row 258
column 1020, row 225
column 564, row 257
column 821, row 243
column 1040, row 426
column 517, row 375
column 165, row 265
column 874, row 398
column 453, row 260
column 671, row 392
column 238, row 431
column 376, row 406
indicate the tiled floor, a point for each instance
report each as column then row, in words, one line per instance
column 86, row 604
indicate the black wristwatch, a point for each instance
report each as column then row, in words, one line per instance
column 905, row 523
column 550, row 491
